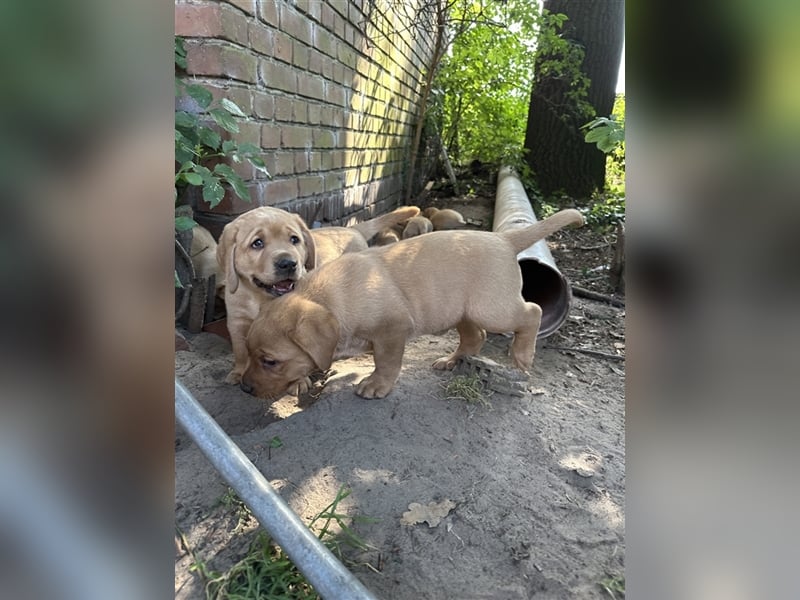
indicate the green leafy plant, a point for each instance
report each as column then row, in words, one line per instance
column 197, row 143
column 200, row 150
column 605, row 132
column 608, row 133
column 266, row 570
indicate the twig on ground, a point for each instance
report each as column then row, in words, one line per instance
column 589, row 352
column 584, row 293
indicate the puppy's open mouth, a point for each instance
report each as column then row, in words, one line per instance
column 279, row 288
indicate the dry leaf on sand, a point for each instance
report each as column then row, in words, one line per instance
column 431, row 513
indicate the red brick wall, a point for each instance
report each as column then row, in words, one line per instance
column 331, row 89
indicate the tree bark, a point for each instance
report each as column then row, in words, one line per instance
column 557, row 153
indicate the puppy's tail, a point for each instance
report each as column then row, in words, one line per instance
column 369, row 228
column 525, row 237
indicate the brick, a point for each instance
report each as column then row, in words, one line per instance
column 300, row 111
column 300, row 54
column 310, row 86
column 326, row 16
column 263, row 105
column 338, row 26
column 279, row 191
column 333, row 182
column 315, row 59
column 295, row 24
column 301, row 162
column 315, row 161
column 324, row 41
column 283, row 109
column 282, row 47
column 197, row 20
column 324, row 138
column 314, row 114
column 234, row 25
column 261, row 38
column 204, row 59
column 309, row 185
column 284, row 163
column 268, row 11
column 248, row 6
column 278, row 76
column 340, row 6
column 335, row 94
column 296, row 137
column 238, row 63
column 270, row 136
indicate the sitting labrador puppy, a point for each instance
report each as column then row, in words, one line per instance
column 382, row 297
column 203, row 253
column 417, row 226
column 445, row 218
column 265, row 251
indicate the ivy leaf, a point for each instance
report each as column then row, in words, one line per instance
column 248, row 148
column 224, row 119
column 236, row 182
column 185, row 120
column 213, row 192
column 184, row 223
column 193, row 178
column 228, row 146
column 232, row 107
column 200, row 95
column 259, row 165
column 210, row 138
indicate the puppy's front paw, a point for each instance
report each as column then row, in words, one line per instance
column 374, row 387
column 445, row 364
column 301, row 386
column 234, row 377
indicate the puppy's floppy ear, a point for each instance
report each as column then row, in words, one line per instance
column 311, row 248
column 226, row 256
column 317, row 334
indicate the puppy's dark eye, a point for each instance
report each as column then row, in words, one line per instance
column 257, row 244
column 268, row 362
column 294, row 239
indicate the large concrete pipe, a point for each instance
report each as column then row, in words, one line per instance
column 542, row 282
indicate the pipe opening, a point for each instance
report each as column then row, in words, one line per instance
column 548, row 288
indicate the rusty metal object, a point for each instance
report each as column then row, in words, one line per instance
column 542, row 282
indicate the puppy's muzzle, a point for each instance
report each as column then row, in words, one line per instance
column 246, row 387
column 286, row 266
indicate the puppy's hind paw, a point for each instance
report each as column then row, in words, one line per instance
column 445, row 364
column 234, row 377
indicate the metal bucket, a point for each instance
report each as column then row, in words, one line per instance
column 542, row 282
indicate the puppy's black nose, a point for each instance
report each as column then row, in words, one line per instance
column 286, row 264
column 246, row 387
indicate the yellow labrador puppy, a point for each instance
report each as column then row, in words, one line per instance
column 265, row 251
column 445, row 218
column 417, row 226
column 204, row 256
column 382, row 297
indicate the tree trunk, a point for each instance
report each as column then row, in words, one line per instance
column 557, row 152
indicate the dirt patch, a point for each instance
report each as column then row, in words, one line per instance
column 534, row 485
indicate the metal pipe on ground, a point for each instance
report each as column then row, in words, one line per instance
column 542, row 282
column 330, row 578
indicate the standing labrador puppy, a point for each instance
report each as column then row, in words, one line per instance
column 265, row 251
column 382, row 297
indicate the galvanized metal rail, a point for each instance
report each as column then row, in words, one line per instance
column 323, row 570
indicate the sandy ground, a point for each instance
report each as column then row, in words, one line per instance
column 537, row 482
